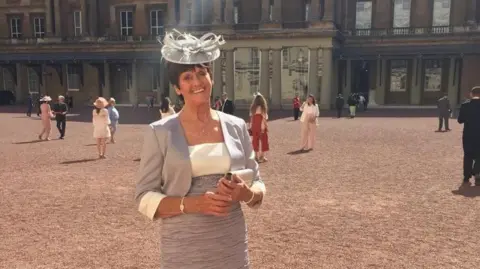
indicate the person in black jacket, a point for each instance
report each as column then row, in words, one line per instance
column 227, row 105
column 469, row 117
column 339, row 103
column 60, row 110
column 352, row 105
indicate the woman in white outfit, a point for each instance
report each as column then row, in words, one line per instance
column 310, row 112
column 101, row 121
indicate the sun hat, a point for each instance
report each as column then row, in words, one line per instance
column 46, row 98
column 184, row 48
column 100, row 102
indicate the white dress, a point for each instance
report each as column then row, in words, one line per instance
column 196, row 241
column 101, row 120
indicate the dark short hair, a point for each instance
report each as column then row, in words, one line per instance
column 475, row 91
column 175, row 70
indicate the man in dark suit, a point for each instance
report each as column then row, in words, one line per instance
column 469, row 117
column 227, row 105
column 60, row 110
column 444, row 111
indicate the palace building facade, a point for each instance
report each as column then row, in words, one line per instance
column 398, row 52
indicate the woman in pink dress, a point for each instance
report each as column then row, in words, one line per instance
column 45, row 116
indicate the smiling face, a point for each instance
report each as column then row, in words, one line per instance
column 192, row 82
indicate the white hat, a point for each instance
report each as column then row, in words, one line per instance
column 187, row 49
column 46, row 98
column 100, row 102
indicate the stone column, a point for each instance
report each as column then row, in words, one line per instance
column 326, row 93
column 277, row 11
column 58, row 19
column 106, row 91
column 265, row 8
column 471, row 11
column 65, row 77
column 217, row 12
column 452, row 83
column 265, row 73
column 313, row 73
column 83, row 8
column 217, row 77
column 92, row 19
column 48, row 18
column 314, row 15
column 133, row 91
column 229, row 12
column 26, row 27
column 381, row 81
column 19, row 87
column 276, row 98
column 347, row 83
column 329, row 10
column 230, row 70
column 161, row 82
column 172, row 20
column 140, row 23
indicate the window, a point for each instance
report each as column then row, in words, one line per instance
column 433, row 76
column 39, row 27
column 156, row 22
column 16, row 27
column 77, row 22
column 203, row 11
column 73, row 77
column 363, row 19
column 441, row 13
column 126, row 23
column 398, row 76
column 33, row 84
column 189, row 13
column 401, row 13
column 8, row 84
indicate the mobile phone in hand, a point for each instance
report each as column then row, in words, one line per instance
column 229, row 176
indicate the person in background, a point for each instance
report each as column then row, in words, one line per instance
column 352, row 105
column 30, row 105
column 258, row 127
column 227, row 105
column 46, row 116
column 166, row 108
column 296, row 107
column 114, row 117
column 217, row 103
column 101, row 122
column 469, row 117
column 444, row 111
column 310, row 112
column 339, row 103
column 60, row 110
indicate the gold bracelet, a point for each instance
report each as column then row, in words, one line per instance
column 251, row 199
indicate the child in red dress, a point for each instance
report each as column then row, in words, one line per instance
column 258, row 127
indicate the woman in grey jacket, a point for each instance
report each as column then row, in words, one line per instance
column 197, row 166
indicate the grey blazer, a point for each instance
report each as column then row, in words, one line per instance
column 165, row 168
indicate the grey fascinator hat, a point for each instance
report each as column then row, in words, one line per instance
column 187, row 49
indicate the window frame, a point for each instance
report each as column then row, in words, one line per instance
column 33, row 80
column 77, row 18
column 159, row 28
column 72, row 73
column 409, row 15
column 128, row 28
column 18, row 33
column 39, row 21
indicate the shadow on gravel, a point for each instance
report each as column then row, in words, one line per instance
column 29, row 142
column 468, row 191
column 80, row 161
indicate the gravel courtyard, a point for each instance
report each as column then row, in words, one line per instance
column 377, row 192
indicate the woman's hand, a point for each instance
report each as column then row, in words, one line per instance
column 237, row 189
column 215, row 204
